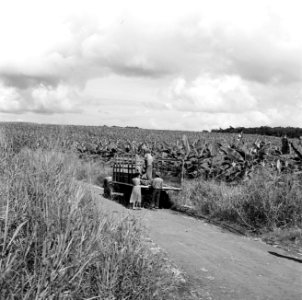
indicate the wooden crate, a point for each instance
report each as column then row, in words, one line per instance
column 124, row 167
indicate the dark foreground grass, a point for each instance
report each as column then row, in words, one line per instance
column 55, row 244
column 265, row 203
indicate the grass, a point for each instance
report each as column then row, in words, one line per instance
column 93, row 172
column 288, row 238
column 265, row 203
column 55, row 244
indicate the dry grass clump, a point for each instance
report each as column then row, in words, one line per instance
column 263, row 203
column 55, row 244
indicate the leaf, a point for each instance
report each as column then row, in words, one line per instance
column 278, row 165
column 296, row 151
column 186, row 144
column 232, row 153
column 16, row 233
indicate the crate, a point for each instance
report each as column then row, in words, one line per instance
column 124, row 167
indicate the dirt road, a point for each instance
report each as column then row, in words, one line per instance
column 219, row 264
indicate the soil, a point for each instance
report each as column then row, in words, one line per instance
column 218, row 264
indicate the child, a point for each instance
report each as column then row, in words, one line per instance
column 136, row 195
column 157, row 185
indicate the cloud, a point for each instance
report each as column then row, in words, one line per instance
column 40, row 99
column 23, row 81
column 222, row 61
column 224, row 94
column 83, row 46
column 261, row 58
column 59, row 100
column 10, row 99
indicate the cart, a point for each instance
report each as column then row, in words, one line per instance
column 124, row 167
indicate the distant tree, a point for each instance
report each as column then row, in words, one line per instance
column 290, row 132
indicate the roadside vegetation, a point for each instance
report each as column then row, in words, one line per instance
column 55, row 244
column 267, row 204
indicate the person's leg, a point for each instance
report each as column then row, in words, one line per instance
column 149, row 172
column 153, row 199
column 157, row 198
column 136, row 200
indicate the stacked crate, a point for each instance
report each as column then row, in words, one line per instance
column 124, row 167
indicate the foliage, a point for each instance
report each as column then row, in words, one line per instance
column 55, row 244
column 223, row 157
column 291, row 132
column 265, row 202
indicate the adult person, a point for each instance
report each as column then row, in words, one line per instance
column 136, row 195
column 149, row 162
column 157, row 185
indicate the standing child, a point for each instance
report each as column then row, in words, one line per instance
column 136, row 195
column 157, row 185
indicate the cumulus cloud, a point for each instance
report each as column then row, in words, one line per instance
column 232, row 60
column 41, row 99
column 49, row 100
column 10, row 99
column 225, row 94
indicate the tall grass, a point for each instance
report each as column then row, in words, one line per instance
column 93, row 172
column 55, row 244
column 263, row 203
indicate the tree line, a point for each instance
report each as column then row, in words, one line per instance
column 291, row 132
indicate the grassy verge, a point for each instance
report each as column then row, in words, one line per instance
column 55, row 244
column 264, row 204
column 93, row 172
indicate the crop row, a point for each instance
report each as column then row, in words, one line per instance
column 227, row 157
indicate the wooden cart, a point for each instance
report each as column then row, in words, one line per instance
column 126, row 166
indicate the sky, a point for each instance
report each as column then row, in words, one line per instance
column 161, row 64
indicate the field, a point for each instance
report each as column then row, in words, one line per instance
column 46, row 213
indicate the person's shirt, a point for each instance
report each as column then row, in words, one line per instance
column 136, row 181
column 149, row 159
column 157, row 183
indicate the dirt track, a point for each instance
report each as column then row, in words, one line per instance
column 219, row 264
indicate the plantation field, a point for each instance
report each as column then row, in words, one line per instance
column 46, row 211
column 223, row 157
